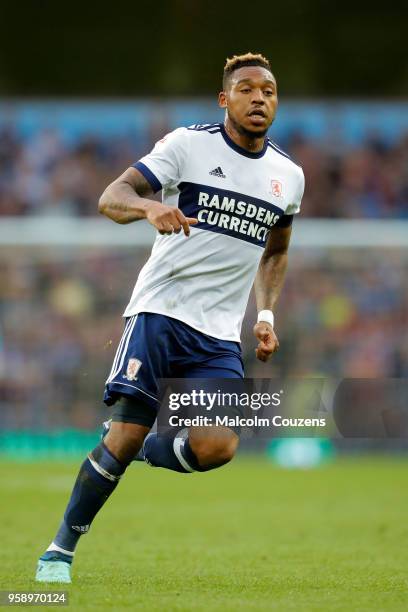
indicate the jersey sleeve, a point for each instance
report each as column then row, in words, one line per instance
column 294, row 206
column 164, row 165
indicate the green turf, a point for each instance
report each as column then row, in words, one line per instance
column 246, row 537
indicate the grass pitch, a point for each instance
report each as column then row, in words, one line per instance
column 248, row 536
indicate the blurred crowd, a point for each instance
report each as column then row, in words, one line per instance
column 45, row 175
column 341, row 314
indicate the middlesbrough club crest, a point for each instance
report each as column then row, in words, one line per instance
column 276, row 188
column 133, row 368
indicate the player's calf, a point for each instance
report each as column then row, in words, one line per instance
column 196, row 450
column 98, row 477
column 213, row 446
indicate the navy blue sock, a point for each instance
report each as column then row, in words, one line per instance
column 158, row 450
column 173, row 452
column 97, row 479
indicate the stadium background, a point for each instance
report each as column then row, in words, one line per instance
column 67, row 274
column 84, row 96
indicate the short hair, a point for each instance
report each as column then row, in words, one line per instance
column 239, row 61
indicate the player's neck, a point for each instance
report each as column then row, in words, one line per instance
column 250, row 143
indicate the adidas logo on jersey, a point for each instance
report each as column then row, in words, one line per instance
column 218, row 172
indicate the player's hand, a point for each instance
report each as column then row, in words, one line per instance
column 268, row 342
column 168, row 220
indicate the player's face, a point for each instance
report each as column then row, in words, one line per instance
column 251, row 100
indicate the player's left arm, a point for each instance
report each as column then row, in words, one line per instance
column 268, row 284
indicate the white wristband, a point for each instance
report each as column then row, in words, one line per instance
column 267, row 316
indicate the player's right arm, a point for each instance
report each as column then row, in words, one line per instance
column 127, row 199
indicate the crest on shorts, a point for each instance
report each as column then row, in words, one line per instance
column 276, row 188
column 133, row 368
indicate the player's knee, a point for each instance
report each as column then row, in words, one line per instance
column 215, row 451
column 124, row 440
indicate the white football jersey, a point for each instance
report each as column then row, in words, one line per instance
column 205, row 279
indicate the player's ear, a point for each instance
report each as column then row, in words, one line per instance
column 222, row 99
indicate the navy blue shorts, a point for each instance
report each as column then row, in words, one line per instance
column 154, row 346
